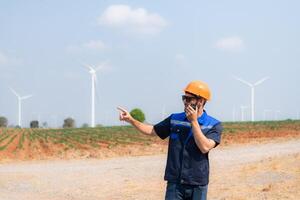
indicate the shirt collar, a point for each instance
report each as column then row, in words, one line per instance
column 202, row 118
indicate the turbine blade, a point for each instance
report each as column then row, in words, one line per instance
column 86, row 67
column 102, row 65
column 26, row 97
column 261, row 81
column 15, row 93
column 243, row 81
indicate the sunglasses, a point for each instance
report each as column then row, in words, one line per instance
column 188, row 98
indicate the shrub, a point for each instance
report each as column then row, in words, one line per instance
column 3, row 121
column 34, row 124
column 69, row 123
column 138, row 114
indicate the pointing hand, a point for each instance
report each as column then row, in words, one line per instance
column 124, row 115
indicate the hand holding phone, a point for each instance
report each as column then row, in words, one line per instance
column 194, row 106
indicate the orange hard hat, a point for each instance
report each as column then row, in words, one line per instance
column 199, row 88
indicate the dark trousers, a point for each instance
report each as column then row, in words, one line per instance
column 177, row 191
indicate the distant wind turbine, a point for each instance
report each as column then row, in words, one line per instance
column 92, row 71
column 20, row 104
column 265, row 113
column 54, row 118
column 277, row 112
column 242, row 112
column 252, row 86
column 233, row 114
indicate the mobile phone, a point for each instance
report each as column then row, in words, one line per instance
column 193, row 106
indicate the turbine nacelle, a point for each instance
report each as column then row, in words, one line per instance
column 93, row 69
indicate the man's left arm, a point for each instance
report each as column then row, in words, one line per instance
column 204, row 144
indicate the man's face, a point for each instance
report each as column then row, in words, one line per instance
column 189, row 99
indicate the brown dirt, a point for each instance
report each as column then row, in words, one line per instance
column 26, row 152
column 247, row 171
column 274, row 178
column 39, row 150
column 10, row 150
column 259, row 136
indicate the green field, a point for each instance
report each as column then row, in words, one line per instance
column 110, row 137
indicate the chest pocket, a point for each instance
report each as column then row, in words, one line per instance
column 179, row 132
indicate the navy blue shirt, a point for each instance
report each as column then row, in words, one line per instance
column 186, row 164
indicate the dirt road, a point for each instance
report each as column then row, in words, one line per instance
column 253, row 171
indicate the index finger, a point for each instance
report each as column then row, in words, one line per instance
column 121, row 109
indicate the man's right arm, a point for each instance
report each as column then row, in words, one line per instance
column 146, row 129
column 161, row 129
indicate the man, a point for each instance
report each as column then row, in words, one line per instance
column 192, row 134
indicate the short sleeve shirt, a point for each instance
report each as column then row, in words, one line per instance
column 186, row 163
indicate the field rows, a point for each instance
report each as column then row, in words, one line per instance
column 32, row 143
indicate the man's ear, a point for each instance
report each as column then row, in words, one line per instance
column 202, row 102
column 199, row 103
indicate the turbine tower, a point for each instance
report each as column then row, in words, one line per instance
column 277, row 112
column 252, row 86
column 242, row 112
column 265, row 113
column 233, row 114
column 20, row 105
column 92, row 70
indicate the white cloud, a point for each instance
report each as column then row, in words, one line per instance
column 90, row 45
column 233, row 44
column 137, row 20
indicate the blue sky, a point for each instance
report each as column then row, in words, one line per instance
column 152, row 50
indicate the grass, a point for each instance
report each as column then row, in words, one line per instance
column 11, row 139
column 21, row 141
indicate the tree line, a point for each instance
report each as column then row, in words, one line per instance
column 69, row 122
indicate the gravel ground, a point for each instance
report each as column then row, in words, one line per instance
column 142, row 177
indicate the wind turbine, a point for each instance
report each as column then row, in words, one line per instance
column 265, row 113
column 20, row 104
column 242, row 111
column 252, row 86
column 233, row 114
column 54, row 118
column 93, row 70
column 277, row 112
